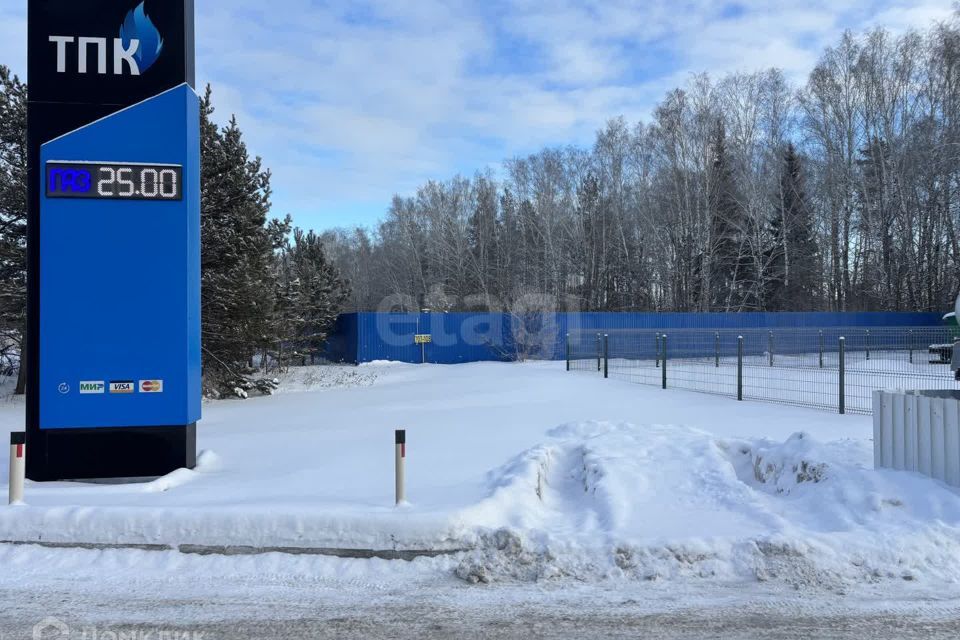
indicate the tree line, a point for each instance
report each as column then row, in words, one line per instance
column 269, row 293
column 741, row 193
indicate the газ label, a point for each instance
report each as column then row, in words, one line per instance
column 123, row 386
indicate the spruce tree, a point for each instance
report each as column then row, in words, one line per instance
column 238, row 255
column 878, row 200
column 13, row 225
column 792, row 258
column 310, row 296
column 728, row 263
column 484, row 233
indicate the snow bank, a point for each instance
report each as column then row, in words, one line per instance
column 654, row 502
column 303, row 379
column 635, row 484
column 207, row 462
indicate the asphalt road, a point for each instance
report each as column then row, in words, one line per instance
column 521, row 622
column 140, row 595
column 455, row 611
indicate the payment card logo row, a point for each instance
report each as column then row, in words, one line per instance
column 120, row 387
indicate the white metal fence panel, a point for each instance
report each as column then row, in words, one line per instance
column 918, row 431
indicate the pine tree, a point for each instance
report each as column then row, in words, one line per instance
column 591, row 217
column 509, row 256
column 792, row 258
column 13, row 224
column 310, row 296
column 728, row 263
column 238, row 255
column 484, row 233
column 286, row 317
column 878, row 284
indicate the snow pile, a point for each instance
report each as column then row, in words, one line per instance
column 653, row 502
column 302, row 379
column 207, row 462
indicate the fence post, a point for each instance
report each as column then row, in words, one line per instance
column 716, row 350
column 18, row 446
column 740, row 368
column 868, row 344
column 911, row 345
column 658, row 348
column 568, row 352
column 770, row 347
column 599, row 353
column 821, row 348
column 400, row 440
column 663, row 365
column 843, row 394
column 606, row 356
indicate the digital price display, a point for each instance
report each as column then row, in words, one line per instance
column 115, row 181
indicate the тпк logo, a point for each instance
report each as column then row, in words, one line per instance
column 138, row 27
column 137, row 49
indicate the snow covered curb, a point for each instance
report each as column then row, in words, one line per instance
column 207, row 550
column 817, row 563
column 225, row 528
column 292, row 527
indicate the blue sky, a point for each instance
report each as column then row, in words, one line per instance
column 349, row 102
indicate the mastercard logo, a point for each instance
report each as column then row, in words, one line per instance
column 151, row 386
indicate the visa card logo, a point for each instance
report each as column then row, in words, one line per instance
column 151, row 386
column 93, row 387
column 122, row 386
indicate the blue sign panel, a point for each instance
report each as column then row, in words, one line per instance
column 120, row 269
column 113, row 296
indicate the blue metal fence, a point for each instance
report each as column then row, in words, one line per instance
column 644, row 344
column 836, row 368
column 474, row 337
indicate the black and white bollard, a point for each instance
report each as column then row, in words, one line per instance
column 18, row 466
column 401, row 444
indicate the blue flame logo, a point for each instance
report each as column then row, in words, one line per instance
column 139, row 26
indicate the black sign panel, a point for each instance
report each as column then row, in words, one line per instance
column 112, row 52
column 115, row 181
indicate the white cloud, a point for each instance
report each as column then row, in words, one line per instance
column 13, row 37
column 349, row 101
column 915, row 14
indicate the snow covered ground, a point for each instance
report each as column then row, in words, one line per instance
column 559, row 486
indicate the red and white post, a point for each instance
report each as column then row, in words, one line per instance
column 401, row 446
column 18, row 466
